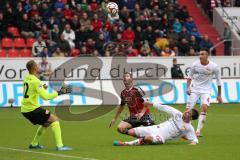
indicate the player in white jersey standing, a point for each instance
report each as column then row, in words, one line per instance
column 199, row 85
column 178, row 125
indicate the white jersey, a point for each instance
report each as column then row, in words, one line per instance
column 173, row 128
column 202, row 76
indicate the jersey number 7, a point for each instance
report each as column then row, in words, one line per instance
column 26, row 90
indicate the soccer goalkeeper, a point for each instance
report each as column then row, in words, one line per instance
column 31, row 109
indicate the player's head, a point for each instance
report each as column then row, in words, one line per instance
column 189, row 115
column 32, row 67
column 204, row 54
column 127, row 79
column 195, row 114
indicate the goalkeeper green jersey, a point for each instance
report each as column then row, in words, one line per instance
column 32, row 89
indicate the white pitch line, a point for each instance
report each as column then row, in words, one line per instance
column 46, row 153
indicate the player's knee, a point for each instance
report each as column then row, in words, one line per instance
column 204, row 108
column 131, row 132
column 148, row 139
column 53, row 118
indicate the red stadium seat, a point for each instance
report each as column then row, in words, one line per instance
column 25, row 53
column 19, row 42
column 2, row 53
column 75, row 52
column 7, row 42
column 14, row 31
column 30, row 42
column 13, row 53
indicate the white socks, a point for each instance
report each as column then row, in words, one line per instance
column 136, row 142
column 201, row 121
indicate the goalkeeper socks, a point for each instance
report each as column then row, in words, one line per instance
column 40, row 131
column 57, row 133
column 201, row 121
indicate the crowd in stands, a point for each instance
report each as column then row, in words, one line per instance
column 81, row 27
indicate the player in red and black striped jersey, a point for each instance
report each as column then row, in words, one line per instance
column 132, row 96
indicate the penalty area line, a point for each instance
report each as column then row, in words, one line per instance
column 46, row 153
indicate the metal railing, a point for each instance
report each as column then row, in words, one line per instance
column 233, row 24
column 233, row 48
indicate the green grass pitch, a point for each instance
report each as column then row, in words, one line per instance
column 93, row 139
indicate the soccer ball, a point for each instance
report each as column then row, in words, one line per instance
column 112, row 8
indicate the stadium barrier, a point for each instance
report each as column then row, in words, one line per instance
column 112, row 68
column 98, row 80
column 230, row 92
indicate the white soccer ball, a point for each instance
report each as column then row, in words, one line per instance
column 112, row 8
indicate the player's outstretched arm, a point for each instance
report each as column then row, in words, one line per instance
column 119, row 111
column 48, row 96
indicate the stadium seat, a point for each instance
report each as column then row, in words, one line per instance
column 13, row 53
column 19, row 42
column 25, row 53
column 30, row 42
column 13, row 31
column 7, row 42
column 2, row 53
column 75, row 52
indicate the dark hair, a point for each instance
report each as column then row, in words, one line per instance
column 195, row 114
column 205, row 49
column 129, row 74
column 30, row 65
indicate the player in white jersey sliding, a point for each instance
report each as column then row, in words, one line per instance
column 179, row 125
column 199, row 85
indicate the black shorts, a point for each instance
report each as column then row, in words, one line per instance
column 37, row 116
column 146, row 120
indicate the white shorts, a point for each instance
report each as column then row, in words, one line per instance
column 156, row 132
column 205, row 98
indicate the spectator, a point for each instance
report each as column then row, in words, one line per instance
column 177, row 26
column 67, row 12
column 161, row 44
column 85, row 22
column 106, row 34
column 45, row 33
column 113, row 33
column 34, row 10
column 172, row 37
column 26, row 27
column 145, row 49
column 45, row 69
column 38, row 47
column 167, row 52
column 45, row 53
column 192, row 52
column 128, row 34
column 96, row 23
column 190, row 24
column 227, row 37
column 194, row 44
column 196, row 34
column 184, row 34
column 182, row 14
column 140, row 36
column 205, row 42
column 58, row 53
column 45, row 12
column 64, row 46
column 100, row 43
column 183, row 47
column 176, row 71
column 3, row 27
column 55, row 33
column 90, row 46
column 69, row 35
column 59, row 4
